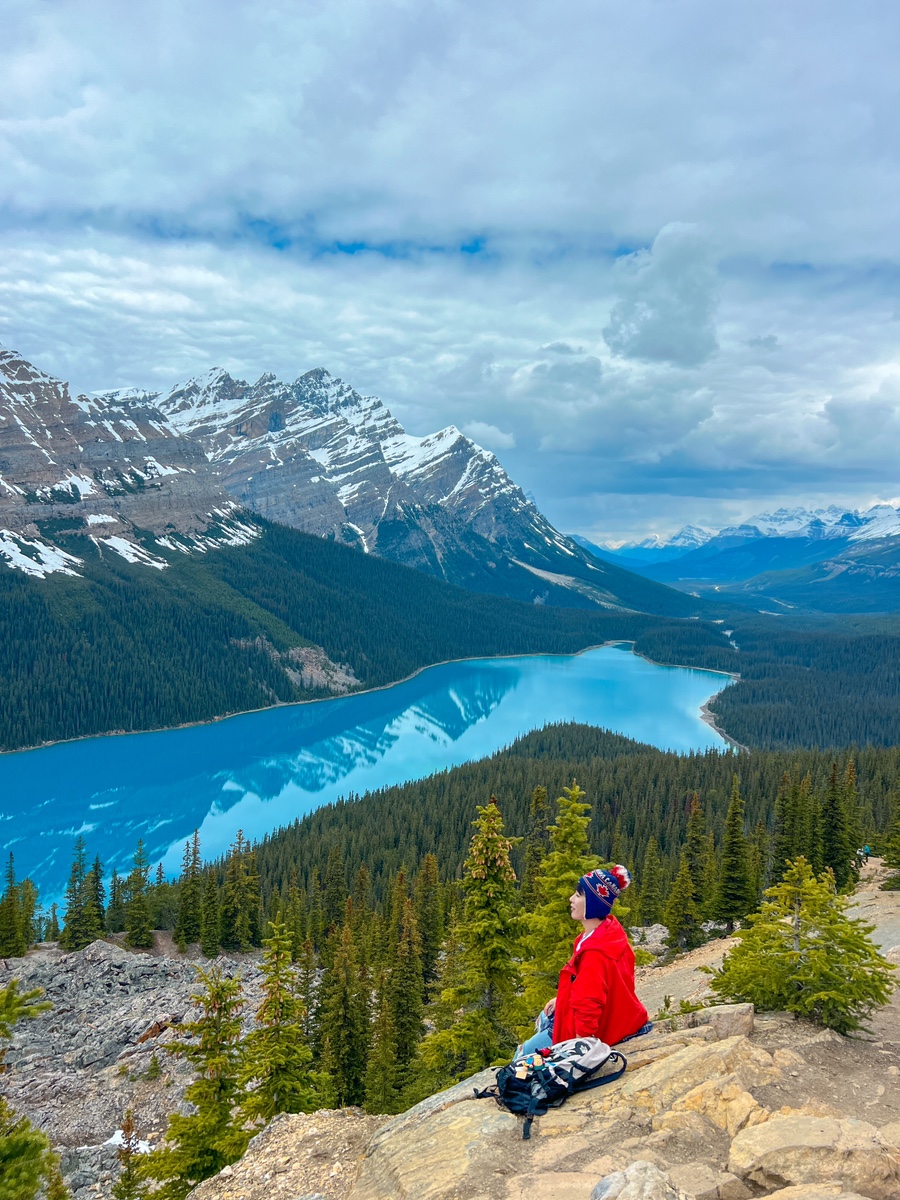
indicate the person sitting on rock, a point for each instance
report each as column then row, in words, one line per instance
column 596, row 996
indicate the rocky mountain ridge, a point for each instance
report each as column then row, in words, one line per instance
column 145, row 474
column 117, row 473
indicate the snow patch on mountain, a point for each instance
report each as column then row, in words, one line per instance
column 34, row 557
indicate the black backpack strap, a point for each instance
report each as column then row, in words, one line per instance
column 536, row 1108
column 610, row 1078
column 488, row 1093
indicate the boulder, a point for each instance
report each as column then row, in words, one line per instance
column 641, row 1181
column 656, row 1088
column 726, row 1020
column 725, row 1102
column 891, row 1133
column 815, row 1150
column 697, row 1180
column 428, row 1159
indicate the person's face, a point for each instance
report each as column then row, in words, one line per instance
column 576, row 906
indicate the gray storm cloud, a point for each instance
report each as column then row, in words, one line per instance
column 669, row 294
column 441, row 204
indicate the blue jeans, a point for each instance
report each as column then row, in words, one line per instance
column 540, row 1040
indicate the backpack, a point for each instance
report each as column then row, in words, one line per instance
column 531, row 1085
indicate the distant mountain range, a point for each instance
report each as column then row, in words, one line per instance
column 144, row 475
column 826, row 559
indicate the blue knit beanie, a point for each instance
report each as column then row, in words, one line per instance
column 602, row 888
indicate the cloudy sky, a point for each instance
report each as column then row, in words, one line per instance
column 648, row 251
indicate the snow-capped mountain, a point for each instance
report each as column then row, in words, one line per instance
column 103, row 467
column 145, row 475
column 317, row 455
column 881, row 520
column 851, row 525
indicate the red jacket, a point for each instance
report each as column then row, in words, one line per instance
column 596, row 996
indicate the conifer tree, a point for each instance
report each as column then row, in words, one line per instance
column 695, row 848
column 428, row 916
column 344, row 1024
column 682, row 916
column 406, row 992
column 396, row 906
column 95, row 896
column 804, row 955
column 812, row 809
column 317, row 927
column 115, row 910
column 837, row 852
column 13, row 938
column 80, row 928
column 550, row 931
column 209, row 917
column 190, row 895
column 53, row 928
column 651, row 886
column 129, row 1185
column 853, row 815
column 138, row 924
column 618, row 851
column 759, row 860
column 891, row 852
column 484, row 998
column 275, row 1054
column 710, row 875
column 295, row 919
column 334, row 889
column 201, row 1144
column 240, row 906
column 784, row 834
column 32, row 921
column 536, row 844
column 381, row 1072
column 306, row 988
column 735, row 897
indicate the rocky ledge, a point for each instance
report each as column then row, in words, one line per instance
column 715, row 1105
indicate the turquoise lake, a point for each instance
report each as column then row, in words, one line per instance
column 260, row 770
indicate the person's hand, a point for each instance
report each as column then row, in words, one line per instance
column 550, row 1007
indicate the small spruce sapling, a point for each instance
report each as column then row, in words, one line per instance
column 803, row 954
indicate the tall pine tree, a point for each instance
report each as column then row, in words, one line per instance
column 536, row 844
column 138, row 922
column 837, row 851
column 344, row 1024
column 651, row 886
column 428, row 916
column 483, row 1000
column 202, row 1143
column 276, row 1055
column 80, row 927
column 189, row 921
column 735, row 897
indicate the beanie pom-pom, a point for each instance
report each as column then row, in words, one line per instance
column 621, row 875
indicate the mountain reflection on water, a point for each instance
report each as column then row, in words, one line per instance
column 262, row 770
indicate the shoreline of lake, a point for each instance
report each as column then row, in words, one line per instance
column 381, row 687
